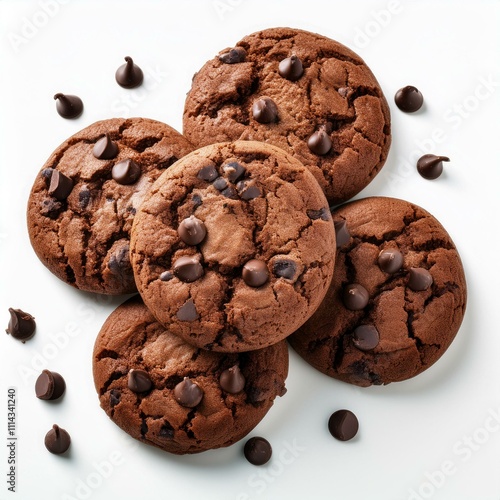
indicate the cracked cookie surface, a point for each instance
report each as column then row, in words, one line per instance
column 410, row 319
column 131, row 339
column 82, row 235
column 265, row 260
column 336, row 93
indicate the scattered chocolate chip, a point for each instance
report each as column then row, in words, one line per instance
column 188, row 269
column 343, row 91
column 57, row 440
column 188, row 312
column 390, row 260
column 192, row 231
column 248, row 191
column 126, row 172
column 343, row 425
column 139, row 381
column 232, row 380
column 291, row 68
column 49, row 385
column 355, row 297
column 431, row 166
column 166, row 431
column 166, row 276
column 68, row 106
column 105, row 148
column 264, row 110
column 322, row 213
column 46, row 175
column 342, row 234
column 233, row 56
column 50, row 208
column 233, row 171
column 188, row 393
column 208, row 173
column 230, row 193
column 197, row 201
column 409, row 99
column 114, row 397
column 129, row 75
column 420, row 279
column 319, row 143
column 60, row 186
column 83, row 197
column 21, row 325
column 119, row 262
column 284, row 269
column 258, row 451
column 220, row 184
column 365, row 337
column 255, row 273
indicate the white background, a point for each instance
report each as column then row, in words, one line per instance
column 448, row 417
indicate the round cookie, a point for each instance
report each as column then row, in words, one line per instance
column 82, row 203
column 232, row 248
column 236, row 390
column 397, row 298
column 307, row 94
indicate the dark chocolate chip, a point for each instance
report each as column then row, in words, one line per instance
column 230, row 193
column 50, row 208
column 114, row 397
column 166, row 276
column 139, row 381
column 255, row 273
column 420, row 279
column 21, row 325
column 49, row 385
column 319, row 143
column 409, row 99
column 192, row 231
column 119, row 262
column 355, row 297
column 264, row 110
column 126, row 172
column 68, row 106
column 248, row 191
column 322, row 213
column 105, row 148
column 83, row 197
column 188, row 393
column 233, row 171
column 365, row 337
column 258, row 451
column 129, row 75
column 57, row 440
column 208, row 173
column 220, row 184
column 188, row 269
column 390, row 260
column 197, row 201
column 166, row 431
column 343, row 425
column 284, row 269
column 46, row 175
column 291, row 68
column 431, row 166
column 188, row 312
column 233, row 56
column 342, row 234
column 232, row 380
column 60, row 186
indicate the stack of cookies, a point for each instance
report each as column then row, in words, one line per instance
column 234, row 238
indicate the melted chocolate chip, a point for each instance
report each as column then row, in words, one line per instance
column 57, row 440
column 114, row 397
column 166, row 276
column 105, row 148
column 431, row 166
column 166, row 431
column 342, row 234
column 420, row 279
column 49, row 385
column 390, row 260
column 343, row 425
column 409, row 99
column 192, row 231
column 68, row 106
column 355, row 297
column 255, row 273
column 264, row 110
column 284, row 269
column 319, row 143
column 220, row 184
column 232, row 380
column 50, row 208
column 258, row 451
column 233, row 56
column 83, row 197
column 46, row 175
column 230, row 193
column 188, row 312
column 322, row 213
column 126, row 172
column 248, row 191
column 188, row 269
column 233, row 171
column 188, row 393
column 129, row 75
column 60, row 186
column 291, row 68
column 21, row 325
column 139, row 381
column 365, row 337
column 208, row 173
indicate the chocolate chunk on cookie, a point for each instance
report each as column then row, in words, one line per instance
column 309, row 95
column 167, row 393
column 82, row 203
column 254, row 268
column 407, row 264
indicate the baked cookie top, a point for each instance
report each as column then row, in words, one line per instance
column 303, row 92
column 84, row 199
column 232, row 247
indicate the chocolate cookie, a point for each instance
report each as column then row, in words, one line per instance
column 397, row 298
column 166, row 393
column 307, row 94
column 82, row 203
column 232, row 247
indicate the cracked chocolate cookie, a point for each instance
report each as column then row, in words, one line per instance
column 397, row 298
column 232, row 247
column 167, row 393
column 309, row 95
column 84, row 199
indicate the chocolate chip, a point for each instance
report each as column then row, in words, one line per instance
column 208, row 173
column 166, row 431
column 264, row 110
column 192, row 231
column 343, row 425
column 232, row 380
column 255, row 273
column 188, row 312
column 129, row 75
column 431, row 166
column 60, row 186
column 247, row 191
column 233, row 171
column 322, row 213
column 188, row 393
column 49, row 385
column 188, row 269
column 50, row 208
column 355, row 297
column 233, row 56
column 291, row 68
column 46, row 175
column 284, row 269
column 319, row 143
column 105, row 148
column 409, row 99
column 114, row 397
column 139, row 381
column 230, row 193
column 57, row 440
column 68, row 106
column 166, row 276
column 342, row 234
column 83, row 197
column 420, row 279
column 119, row 262
column 220, row 184
column 258, row 451
column 21, row 325
column 390, row 260
column 365, row 337
column 343, row 91
column 197, row 201
column 126, row 172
